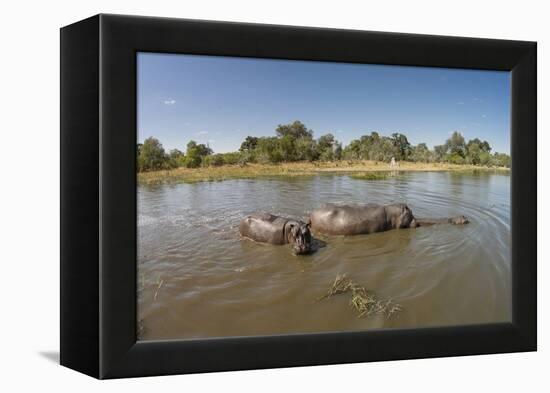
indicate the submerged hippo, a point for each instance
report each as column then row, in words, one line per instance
column 371, row 218
column 267, row 228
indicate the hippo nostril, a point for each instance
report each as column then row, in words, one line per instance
column 300, row 249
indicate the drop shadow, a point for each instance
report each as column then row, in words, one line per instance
column 52, row 356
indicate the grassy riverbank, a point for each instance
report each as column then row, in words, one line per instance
column 360, row 169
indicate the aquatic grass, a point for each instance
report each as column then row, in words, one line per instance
column 364, row 301
column 159, row 285
column 370, row 176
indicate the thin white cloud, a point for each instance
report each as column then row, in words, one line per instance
column 169, row 102
column 339, row 131
column 484, row 115
column 202, row 132
column 460, row 102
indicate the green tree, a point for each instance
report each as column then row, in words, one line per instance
column 296, row 130
column 421, row 153
column 294, row 142
column 287, row 147
column 440, row 151
column 402, row 146
column 501, row 159
column 306, row 149
column 456, row 144
column 233, row 158
column 455, row 158
column 338, row 151
column 249, row 144
column 203, row 150
column 474, row 151
column 353, row 150
column 326, row 141
column 385, row 149
column 268, row 150
column 327, row 155
column 212, row 160
column 474, row 148
column 194, row 154
column 485, row 158
column 483, row 145
column 326, row 144
column 151, row 155
column 176, row 158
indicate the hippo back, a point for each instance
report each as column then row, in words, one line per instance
column 264, row 227
column 349, row 219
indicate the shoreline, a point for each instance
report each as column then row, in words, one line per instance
column 296, row 169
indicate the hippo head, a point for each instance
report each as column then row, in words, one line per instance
column 459, row 220
column 298, row 234
column 401, row 216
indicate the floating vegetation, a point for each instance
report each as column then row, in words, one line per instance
column 364, row 301
column 370, row 176
column 159, row 285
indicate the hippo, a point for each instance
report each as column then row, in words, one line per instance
column 268, row 228
column 370, row 218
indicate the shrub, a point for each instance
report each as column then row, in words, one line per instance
column 232, row 158
column 455, row 158
column 213, row 160
column 151, row 155
column 485, row 158
column 193, row 160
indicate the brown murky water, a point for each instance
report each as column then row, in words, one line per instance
column 197, row 278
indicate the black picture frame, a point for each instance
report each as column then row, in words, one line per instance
column 98, row 195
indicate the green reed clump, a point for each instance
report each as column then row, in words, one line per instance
column 369, row 176
column 364, row 301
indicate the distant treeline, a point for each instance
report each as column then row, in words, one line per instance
column 295, row 142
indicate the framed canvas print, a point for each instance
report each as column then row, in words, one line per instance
column 239, row 196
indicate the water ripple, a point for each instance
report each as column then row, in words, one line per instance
column 199, row 279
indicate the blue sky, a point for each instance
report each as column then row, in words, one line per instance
column 220, row 100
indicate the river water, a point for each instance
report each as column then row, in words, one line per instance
column 197, row 278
